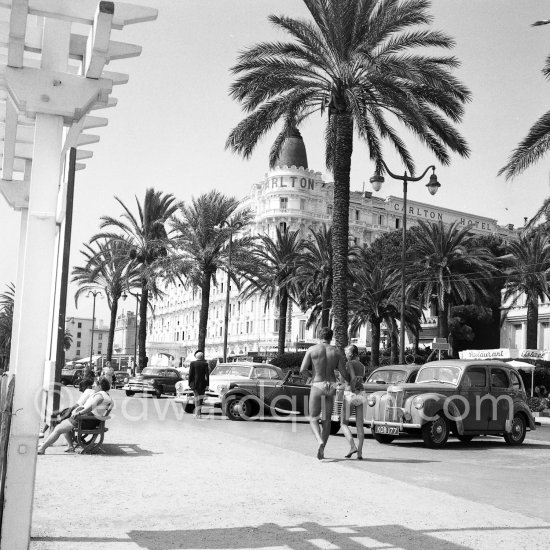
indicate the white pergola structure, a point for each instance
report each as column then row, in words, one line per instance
column 52, row 59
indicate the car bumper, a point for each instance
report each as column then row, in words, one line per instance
column 189, row 399
column 139, row 389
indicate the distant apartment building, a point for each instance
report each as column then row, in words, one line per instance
column 81, row 333
column 289, row 196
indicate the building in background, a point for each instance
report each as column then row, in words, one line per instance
column 81, row 332
column 289, row 196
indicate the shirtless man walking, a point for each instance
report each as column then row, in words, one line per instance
column 323, row 359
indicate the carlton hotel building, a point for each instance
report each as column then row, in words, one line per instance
column 293, row 196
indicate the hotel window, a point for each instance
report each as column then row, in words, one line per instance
column 357, row 217
column 397, row 223
column 282, row 227
column 78, row 352
column 276, row 325
column 99, row 346
column 380, row 220
column 283, row 203
column 79, row 325
column 79, row 334
column 545, row 336
column 100, row 336
column 329, row 210
column 78, row 344
column 302, row 204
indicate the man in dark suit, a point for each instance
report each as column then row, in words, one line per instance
column 199, row 378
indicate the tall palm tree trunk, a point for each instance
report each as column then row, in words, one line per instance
column 375, row 343
column 340, row 226
column 394, row 342
column 205, row 303
column 283, row 307
column 532, row 323
column 142, row 330
column 443, row 319
column 112, row 325
column 326, row 303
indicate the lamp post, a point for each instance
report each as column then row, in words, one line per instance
column 93, row 293
column 232, row 227
column 137, row 295
column 433, row 185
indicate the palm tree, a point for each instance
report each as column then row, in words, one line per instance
column 7, row 302
column 314, row 274
column 356, row 61
column 108, row 267
column 373, row 300
column 527, row 275
column 67, row 340
column 202, row 244
column 274, row 277
column 148, row 242
column 533, row 146
column 446, row 268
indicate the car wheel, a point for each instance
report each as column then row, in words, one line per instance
column 189, row 408
column 385, row 439
column 157, row 393
column 436, row 432
column 130, row 393
column 518, row 432
column 238, row 408
column 465, row 438
column 334, row 427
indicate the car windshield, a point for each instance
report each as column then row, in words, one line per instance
column 442, row 373
column 232, row 370
column 387, row 376
column 150, row 371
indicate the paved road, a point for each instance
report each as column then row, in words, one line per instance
column 168, row 481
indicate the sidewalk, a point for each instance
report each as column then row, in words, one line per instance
column 180, row 490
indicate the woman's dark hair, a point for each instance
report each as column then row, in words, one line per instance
column 85, row 384
column 104, row 384
column 354, row 351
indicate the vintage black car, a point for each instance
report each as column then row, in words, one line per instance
column 71, row 377
column 252, row 398
column 153, row 380
column 120, row 378
column 468, row 398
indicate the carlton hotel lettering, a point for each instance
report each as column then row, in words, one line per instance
column 438, row 216
column 289, row 181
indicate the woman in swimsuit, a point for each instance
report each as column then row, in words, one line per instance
column 354, row 396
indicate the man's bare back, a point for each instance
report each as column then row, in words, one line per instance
column 323, row 359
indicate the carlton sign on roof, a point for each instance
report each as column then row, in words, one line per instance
column 431, row 213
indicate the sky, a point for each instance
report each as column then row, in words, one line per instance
column 169, row 128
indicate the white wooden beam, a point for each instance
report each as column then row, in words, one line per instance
column 18, row 28
column 87, row 139
column 79, row 166
column 94, row 122
column 10, row 137
column 16, row 193
column 82, row 154
column 97, row 44
column 83, row 11
column 111, row 102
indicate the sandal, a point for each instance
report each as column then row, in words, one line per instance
column 40, row 452
column 69, row 450
column 351, row 453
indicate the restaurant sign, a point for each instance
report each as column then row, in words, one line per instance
column 505, row 353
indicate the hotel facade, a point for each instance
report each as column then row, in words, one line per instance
column 289, row 196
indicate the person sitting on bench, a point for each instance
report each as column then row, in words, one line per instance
column 98, row 405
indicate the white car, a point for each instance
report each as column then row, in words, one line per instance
column 220, row 380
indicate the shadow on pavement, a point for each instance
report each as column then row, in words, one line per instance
column 125, row 449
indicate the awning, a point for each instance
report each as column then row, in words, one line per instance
column 87, row 359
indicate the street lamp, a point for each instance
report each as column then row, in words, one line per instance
column 433, row 185
column 235, row 226
column 93, row 293
column 137, row 295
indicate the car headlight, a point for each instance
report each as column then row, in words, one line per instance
column 150, row 382
column 222, row 388
column 371, row 401
column 126, row 379
column 418, row 402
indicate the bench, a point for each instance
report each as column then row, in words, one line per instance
column 90, row 439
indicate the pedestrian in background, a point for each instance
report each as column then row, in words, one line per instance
column 199, row 378
column 108, row 372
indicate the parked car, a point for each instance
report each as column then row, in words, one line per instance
column 379, row 379
column 221, row 378
column 153, row 380
column 469, row 398
column 120, row 378
column 288, row 396
column 71, row 376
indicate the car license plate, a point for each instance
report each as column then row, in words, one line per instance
column 389, row 430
